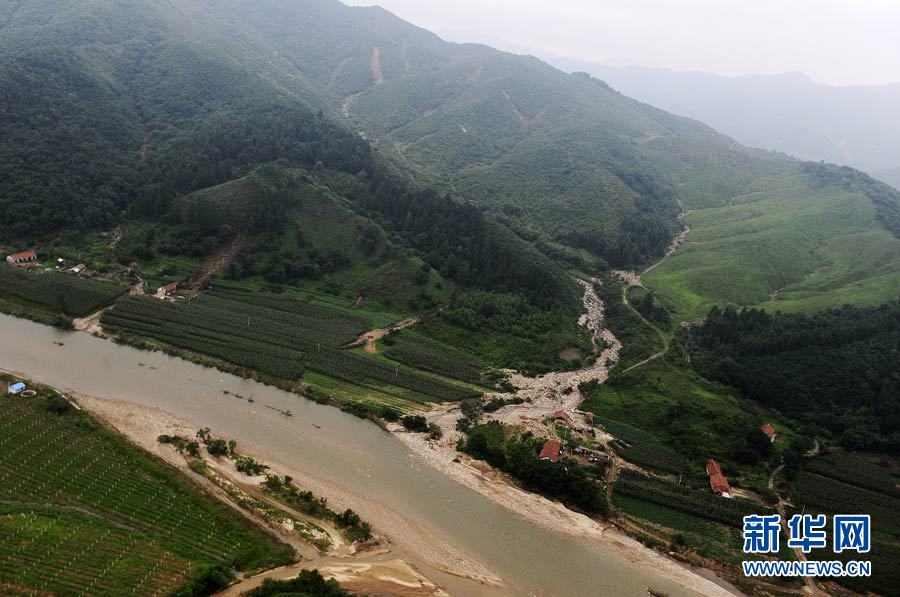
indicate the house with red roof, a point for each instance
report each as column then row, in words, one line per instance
column 550, row 450
column 769, row 430
column 23, row 259
column 717, row 480
column 719, row 485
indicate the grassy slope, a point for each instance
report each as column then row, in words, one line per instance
column 815, row 247
column 85, row 511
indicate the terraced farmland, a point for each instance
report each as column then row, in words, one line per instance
column 84, row 512
column 277, row 336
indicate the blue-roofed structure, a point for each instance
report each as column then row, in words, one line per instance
column 16, row 388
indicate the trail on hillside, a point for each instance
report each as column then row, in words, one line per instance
column 376, row 66
column 144, row 145
column 633, row 279
column 524, row 120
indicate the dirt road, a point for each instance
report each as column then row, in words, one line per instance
column 370, row 339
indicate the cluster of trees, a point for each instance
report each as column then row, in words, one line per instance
column 837, row 371
column 645, row 303
column 463, row 243
column 354, row 527
column 308, row 583
column 507, row 330
column 232, row 141
column 576, row 485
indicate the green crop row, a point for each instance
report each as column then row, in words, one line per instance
column 84, row 512
column 280, row 341
column 431, row 356
column 698, row 502
column 66, row 294
column 643, row 449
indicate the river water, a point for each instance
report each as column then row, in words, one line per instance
column 348, row 452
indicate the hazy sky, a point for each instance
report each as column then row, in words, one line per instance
column 839, row 42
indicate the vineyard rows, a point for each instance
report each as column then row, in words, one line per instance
column 85, row 513
column 855, row 470
column 431, row 356
column 280, row 341
column 678, row 497
column 643, row 449
column 67, row 294
column 836, row 496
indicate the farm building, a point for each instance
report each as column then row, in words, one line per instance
column 550, row 450
column 713, row 468
column 167, row 291
column 717, row 480
column 562, row 416
column 15, row 388
column 78, row 268
column 719, row 485
column 23, row 259
column 769, row 430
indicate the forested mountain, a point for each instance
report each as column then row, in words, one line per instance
column 836, row 372
column 125, row 105
column 856, row 126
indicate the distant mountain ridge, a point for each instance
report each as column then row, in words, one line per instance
column 856, row 126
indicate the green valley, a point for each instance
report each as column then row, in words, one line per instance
column 535, row 283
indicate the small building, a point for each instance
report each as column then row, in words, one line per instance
column 720, row 486
column 167, row 291
column 550, row 450
column 589, row 419
column 16, row 388
column 23, row 259
column 769, row 430
column 563, row 416
column 717, row 480
column 80, row 268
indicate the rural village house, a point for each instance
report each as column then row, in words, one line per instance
column 23, row 259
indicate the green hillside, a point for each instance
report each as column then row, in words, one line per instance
column 788, row 243
column 559, row 157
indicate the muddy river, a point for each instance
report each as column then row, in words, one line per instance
column 339, row 449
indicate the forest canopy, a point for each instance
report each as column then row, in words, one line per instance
column 835, row 372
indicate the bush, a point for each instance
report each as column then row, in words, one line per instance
column 58, row 405
column 416, row 423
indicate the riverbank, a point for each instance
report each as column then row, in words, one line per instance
column 429, row 517
column 366, row 571
column 553, row 392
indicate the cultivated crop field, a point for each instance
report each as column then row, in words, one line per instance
column 700, row 503
column 277, row 336
column 84, row 512
column 849, row 484
column 57, row 293
column 422, row 353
